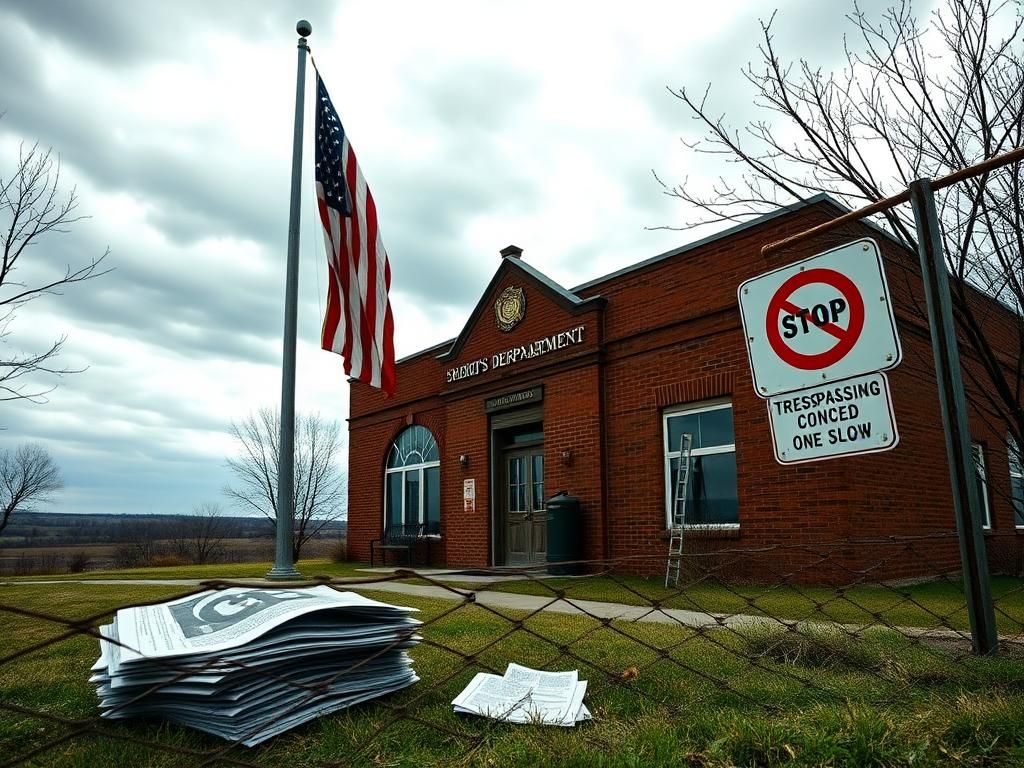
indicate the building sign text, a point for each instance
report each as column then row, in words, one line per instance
column 513, row 355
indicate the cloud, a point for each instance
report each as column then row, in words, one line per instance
column 477, row 125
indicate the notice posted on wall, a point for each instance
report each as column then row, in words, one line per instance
column 469, row 495
column 842, row 418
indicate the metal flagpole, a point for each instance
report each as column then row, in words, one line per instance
column 284, row 562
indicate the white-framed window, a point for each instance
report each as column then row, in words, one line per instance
column 981, row 479
column 711, row 498
column 1016, row 481
column 412, row 480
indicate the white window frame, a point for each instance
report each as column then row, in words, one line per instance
column 420, row 468
column 978, row 453
column 1016, row 463
column 673, row 453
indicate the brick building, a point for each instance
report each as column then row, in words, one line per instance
column 586, row 389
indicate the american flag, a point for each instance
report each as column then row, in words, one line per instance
column 357, row 322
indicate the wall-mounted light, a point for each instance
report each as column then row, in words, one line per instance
column 463, row 460
column 567, row 455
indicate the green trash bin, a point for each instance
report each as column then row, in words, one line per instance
column 565, row 534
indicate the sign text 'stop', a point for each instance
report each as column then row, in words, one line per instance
column 823, row 319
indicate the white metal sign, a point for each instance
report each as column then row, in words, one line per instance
column 820, row 320
column 844, row 418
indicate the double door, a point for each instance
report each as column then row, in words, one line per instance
column 526, row 520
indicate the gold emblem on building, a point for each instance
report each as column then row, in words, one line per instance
column 510, row 308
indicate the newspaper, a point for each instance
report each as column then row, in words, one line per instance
column 246, row 664
column 219, row 620
column 524, row 695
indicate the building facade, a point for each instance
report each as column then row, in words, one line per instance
column 586, row 390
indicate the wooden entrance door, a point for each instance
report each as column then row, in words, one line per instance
column 526, row 521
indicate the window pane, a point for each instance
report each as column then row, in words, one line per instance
column 715, row 428
column 412, row 497
column 673, row 479
column 432, row 498
column 416, row 445
column 394, row 498
column 1013, row 453
column 981, row 484
column 538, row 482
column 1017, row 489
column 713, row 490
column 677, row 425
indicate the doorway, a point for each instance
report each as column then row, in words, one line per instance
column 525, row 521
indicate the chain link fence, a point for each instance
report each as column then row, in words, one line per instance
column 783, row 655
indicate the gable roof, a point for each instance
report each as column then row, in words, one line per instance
column 571, row 301
column 565, row 299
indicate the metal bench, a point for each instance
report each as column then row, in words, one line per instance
column 397, row 537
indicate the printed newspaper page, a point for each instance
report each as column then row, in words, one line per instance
column 220, row 620
column 525, row 695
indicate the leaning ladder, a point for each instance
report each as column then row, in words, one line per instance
column 675, row 534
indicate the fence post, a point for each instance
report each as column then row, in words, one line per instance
column 953, row 404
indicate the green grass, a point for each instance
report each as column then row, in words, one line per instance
column 308, row 568
column 929, row 605
column 760, row 698
column 934, row 604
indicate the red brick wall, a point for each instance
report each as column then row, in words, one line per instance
column 670, row 334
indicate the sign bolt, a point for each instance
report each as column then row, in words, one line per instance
column 864, row 247
column 888, row 358
column 763, row 389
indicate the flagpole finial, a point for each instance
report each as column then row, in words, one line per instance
column 304, row 28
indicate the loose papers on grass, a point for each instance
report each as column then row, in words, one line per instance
column 524, row 695
column 247, row 664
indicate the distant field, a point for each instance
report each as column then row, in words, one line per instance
column 55, row 559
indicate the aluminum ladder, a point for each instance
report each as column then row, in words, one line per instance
column 675, row 534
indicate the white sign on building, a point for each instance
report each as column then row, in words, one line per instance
column 819, row 320
column 838, row 419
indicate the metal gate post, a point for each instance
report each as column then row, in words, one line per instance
column 952, row 402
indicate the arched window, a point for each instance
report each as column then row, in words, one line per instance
column 412, row 482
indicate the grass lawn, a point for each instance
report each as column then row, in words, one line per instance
column 928, row 605
column 661, row 696
column 308, row 568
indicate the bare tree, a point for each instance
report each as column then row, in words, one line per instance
column 199, row 537
column 319, row 488
column 913, row 100
column 31, row 207
column 28, row 478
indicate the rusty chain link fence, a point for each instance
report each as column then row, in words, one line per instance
column 802, row 655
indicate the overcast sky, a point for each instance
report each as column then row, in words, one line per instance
column 477, row 125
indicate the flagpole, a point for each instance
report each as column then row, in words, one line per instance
column 284, row 561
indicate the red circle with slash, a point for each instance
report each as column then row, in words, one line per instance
column 846, row 338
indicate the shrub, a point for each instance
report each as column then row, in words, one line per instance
column 78, row 562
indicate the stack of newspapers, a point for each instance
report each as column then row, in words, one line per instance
column 524, row 695
column 248, row 664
